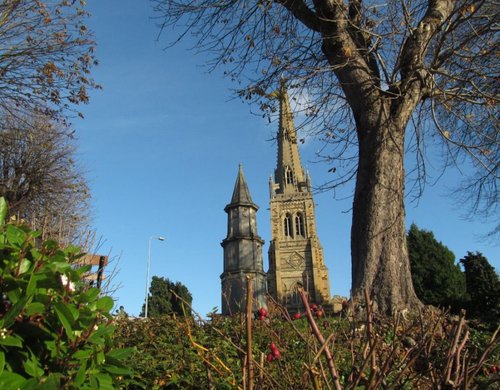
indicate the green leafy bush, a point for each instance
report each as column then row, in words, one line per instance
column 406, row 352
column 55, row 332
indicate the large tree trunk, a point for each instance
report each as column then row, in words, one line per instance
column 380, row 260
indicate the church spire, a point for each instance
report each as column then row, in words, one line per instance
column 241, row 194
column 295, row 253
column 242, row 252
column 289, row 174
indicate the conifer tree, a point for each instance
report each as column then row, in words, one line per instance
column 437, row 279
column 167, row 297
column 483, row 287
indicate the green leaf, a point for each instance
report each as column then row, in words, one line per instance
column 80, row 375
column 30, row 384
column 34, row 308
column 59, row 264
column 74, row 312
column 15, row 236
column 82, row 270
column 90, row 294
column 82, row 354
column 101, row 359
column 116, row 370
column 31, row 288
column 13, row 289
column 48, row 280
column 105, row 382
column 14, row 311
column 121, row 353
column 11, row 380
column 66, row 318
column 105, row 304
column 2, row 362
column 74, row 251
column 35, row 233
column 94, row 385
column 32, row 367
column 3, row 210
column 36, row 254
column 24, row 266
column 51, row 346
column 50, row 245
column 12, row 341
column 51, row 382
column 103, row 330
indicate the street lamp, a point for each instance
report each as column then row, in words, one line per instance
column 159, row 238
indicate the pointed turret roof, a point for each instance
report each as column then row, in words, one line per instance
column 288, row 150
column 241, row 194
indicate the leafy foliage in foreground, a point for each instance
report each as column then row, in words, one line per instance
column 401, row 353
column 55, row 332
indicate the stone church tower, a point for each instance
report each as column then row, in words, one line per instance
column 242, row 252
column 295, row 253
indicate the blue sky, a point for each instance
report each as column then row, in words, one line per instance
column 161, row 144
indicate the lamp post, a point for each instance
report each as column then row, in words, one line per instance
column 159, row 238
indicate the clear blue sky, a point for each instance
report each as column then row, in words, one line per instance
column 161, row 144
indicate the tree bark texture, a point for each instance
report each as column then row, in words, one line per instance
column 380, row 260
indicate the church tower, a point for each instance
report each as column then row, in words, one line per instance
column 295, row 253
column 242, row 252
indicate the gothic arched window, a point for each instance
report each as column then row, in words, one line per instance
column 299, row 225
column 287, row 224
column 288, row 175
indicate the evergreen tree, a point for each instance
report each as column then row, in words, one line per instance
column 436, row 278
column 483, row 287
column 167, row 297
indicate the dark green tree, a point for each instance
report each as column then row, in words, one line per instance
column 483, row 287
column 436, row 278
column 167, row 297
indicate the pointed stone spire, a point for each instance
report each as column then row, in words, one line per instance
column 289, row 174
column 295, row 252
column 242, row 252
column 241, row 194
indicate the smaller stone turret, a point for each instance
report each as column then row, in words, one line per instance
column 242, row 252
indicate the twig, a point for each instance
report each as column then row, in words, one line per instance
column 482, row 359
column 249, row 333
column 453, row 349
column 261, row 371
column 321, row 339
column 209, row 376
column 322, row 348
column 458, row 367
column 237, row 347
